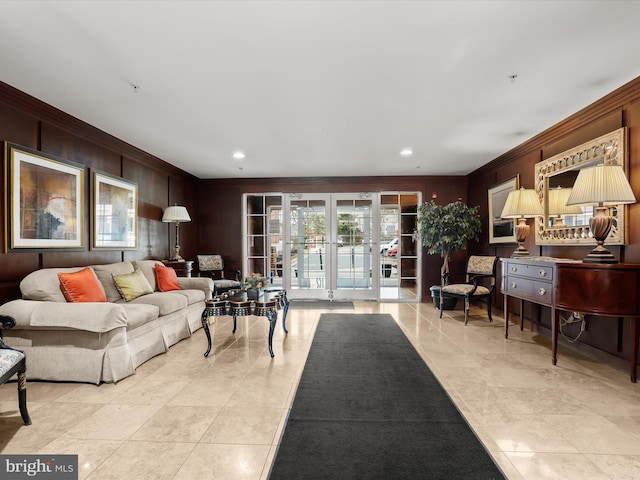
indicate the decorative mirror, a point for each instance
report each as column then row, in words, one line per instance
column 564, row 226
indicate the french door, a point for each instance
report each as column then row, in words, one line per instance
column 356, row 246
column 328, row 246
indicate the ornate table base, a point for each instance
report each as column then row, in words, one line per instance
column 236, row 305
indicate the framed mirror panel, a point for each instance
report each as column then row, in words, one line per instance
column 555, row 175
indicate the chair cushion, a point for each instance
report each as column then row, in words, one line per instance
column 166, row 278
column 210, row 262
column 464, row 289
column 132, row 285
column 8, row 359
column 82, row 286
column 481, row 264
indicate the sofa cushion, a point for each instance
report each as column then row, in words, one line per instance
column 139, row 314
column 82, row 286
column 132, row 285
column 105, row 275
column 44, row 285
column 166, row 278
column 147, row 267
column 167, row 302
column 192, row 296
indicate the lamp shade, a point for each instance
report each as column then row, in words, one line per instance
column 601, row 185
column 176, row 213
column 523, row 203
column 558, row 202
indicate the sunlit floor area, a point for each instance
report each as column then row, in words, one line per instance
column 183, row 416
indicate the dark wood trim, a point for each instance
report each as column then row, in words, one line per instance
column 47, row 113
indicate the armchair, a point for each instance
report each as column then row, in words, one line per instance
column 213, row 266
column 11, row 362
column 480, row 283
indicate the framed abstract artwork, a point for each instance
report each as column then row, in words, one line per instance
column 114, row 221
column 45, row 194
column 501, row 230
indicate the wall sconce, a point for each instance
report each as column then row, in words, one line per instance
column 522, row 204
column 603, row 186
column 558, row 205
column 176, row 214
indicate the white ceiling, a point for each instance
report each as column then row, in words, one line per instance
column 320, row 88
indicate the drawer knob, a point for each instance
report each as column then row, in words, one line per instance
column 542, row 273
column 514, row 269
column 541, row 291
column 513, row 285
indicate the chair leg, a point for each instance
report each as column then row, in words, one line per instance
column 466, row 310
column 441, row 304
column 22, row 398
column 489, row 308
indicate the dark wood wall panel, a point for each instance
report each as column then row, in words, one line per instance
column 29, row 122
column 153, row 240
column 618, row 109
column 221, row 208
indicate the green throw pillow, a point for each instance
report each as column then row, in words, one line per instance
column 132, row 285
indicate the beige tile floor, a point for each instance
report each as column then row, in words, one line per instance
column 183, row 416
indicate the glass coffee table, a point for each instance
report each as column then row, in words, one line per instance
column 235, row 304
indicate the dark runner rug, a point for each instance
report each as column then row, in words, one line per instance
column 367, row 407
column 320, row 304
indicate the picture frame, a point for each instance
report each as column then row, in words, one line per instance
column 45, row 196
column 114, row 206
column 501, row 230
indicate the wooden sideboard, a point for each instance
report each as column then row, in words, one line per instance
column 609, row 290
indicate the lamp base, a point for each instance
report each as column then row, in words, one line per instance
column 520, row 252
column 600, row 255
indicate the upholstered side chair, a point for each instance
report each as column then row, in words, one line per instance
column 213, row 266
column 479, row 284
column 13, row 362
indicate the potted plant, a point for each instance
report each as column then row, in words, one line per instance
column 443, row 229
column 253, row 285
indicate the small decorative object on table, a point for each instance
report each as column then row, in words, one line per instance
column 253, row 284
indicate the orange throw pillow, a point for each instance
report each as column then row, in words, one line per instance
column 82, row 286
column 166, row 278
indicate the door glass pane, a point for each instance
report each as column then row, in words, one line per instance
column 353, row 244
column 308, row 244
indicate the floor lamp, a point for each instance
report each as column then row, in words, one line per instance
column 176, row 214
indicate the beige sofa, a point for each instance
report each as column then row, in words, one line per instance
column 100, row 341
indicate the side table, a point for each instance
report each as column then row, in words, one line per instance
column 183, row 269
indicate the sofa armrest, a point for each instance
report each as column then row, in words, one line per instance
column 197, row 283
column 90, row 316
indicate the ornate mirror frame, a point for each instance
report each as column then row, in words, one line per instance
column 610, row 149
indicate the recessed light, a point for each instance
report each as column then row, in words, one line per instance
column 406, row 152
column 238, row 155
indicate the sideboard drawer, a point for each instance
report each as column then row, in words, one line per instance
column 543, row 272
column 527, row 289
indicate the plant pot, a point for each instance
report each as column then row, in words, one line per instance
column 253, row 294
column 449, row 302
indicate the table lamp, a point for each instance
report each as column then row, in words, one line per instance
column 176, row 214
column 604, row 186
column 558, row 205
column 522, row 204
